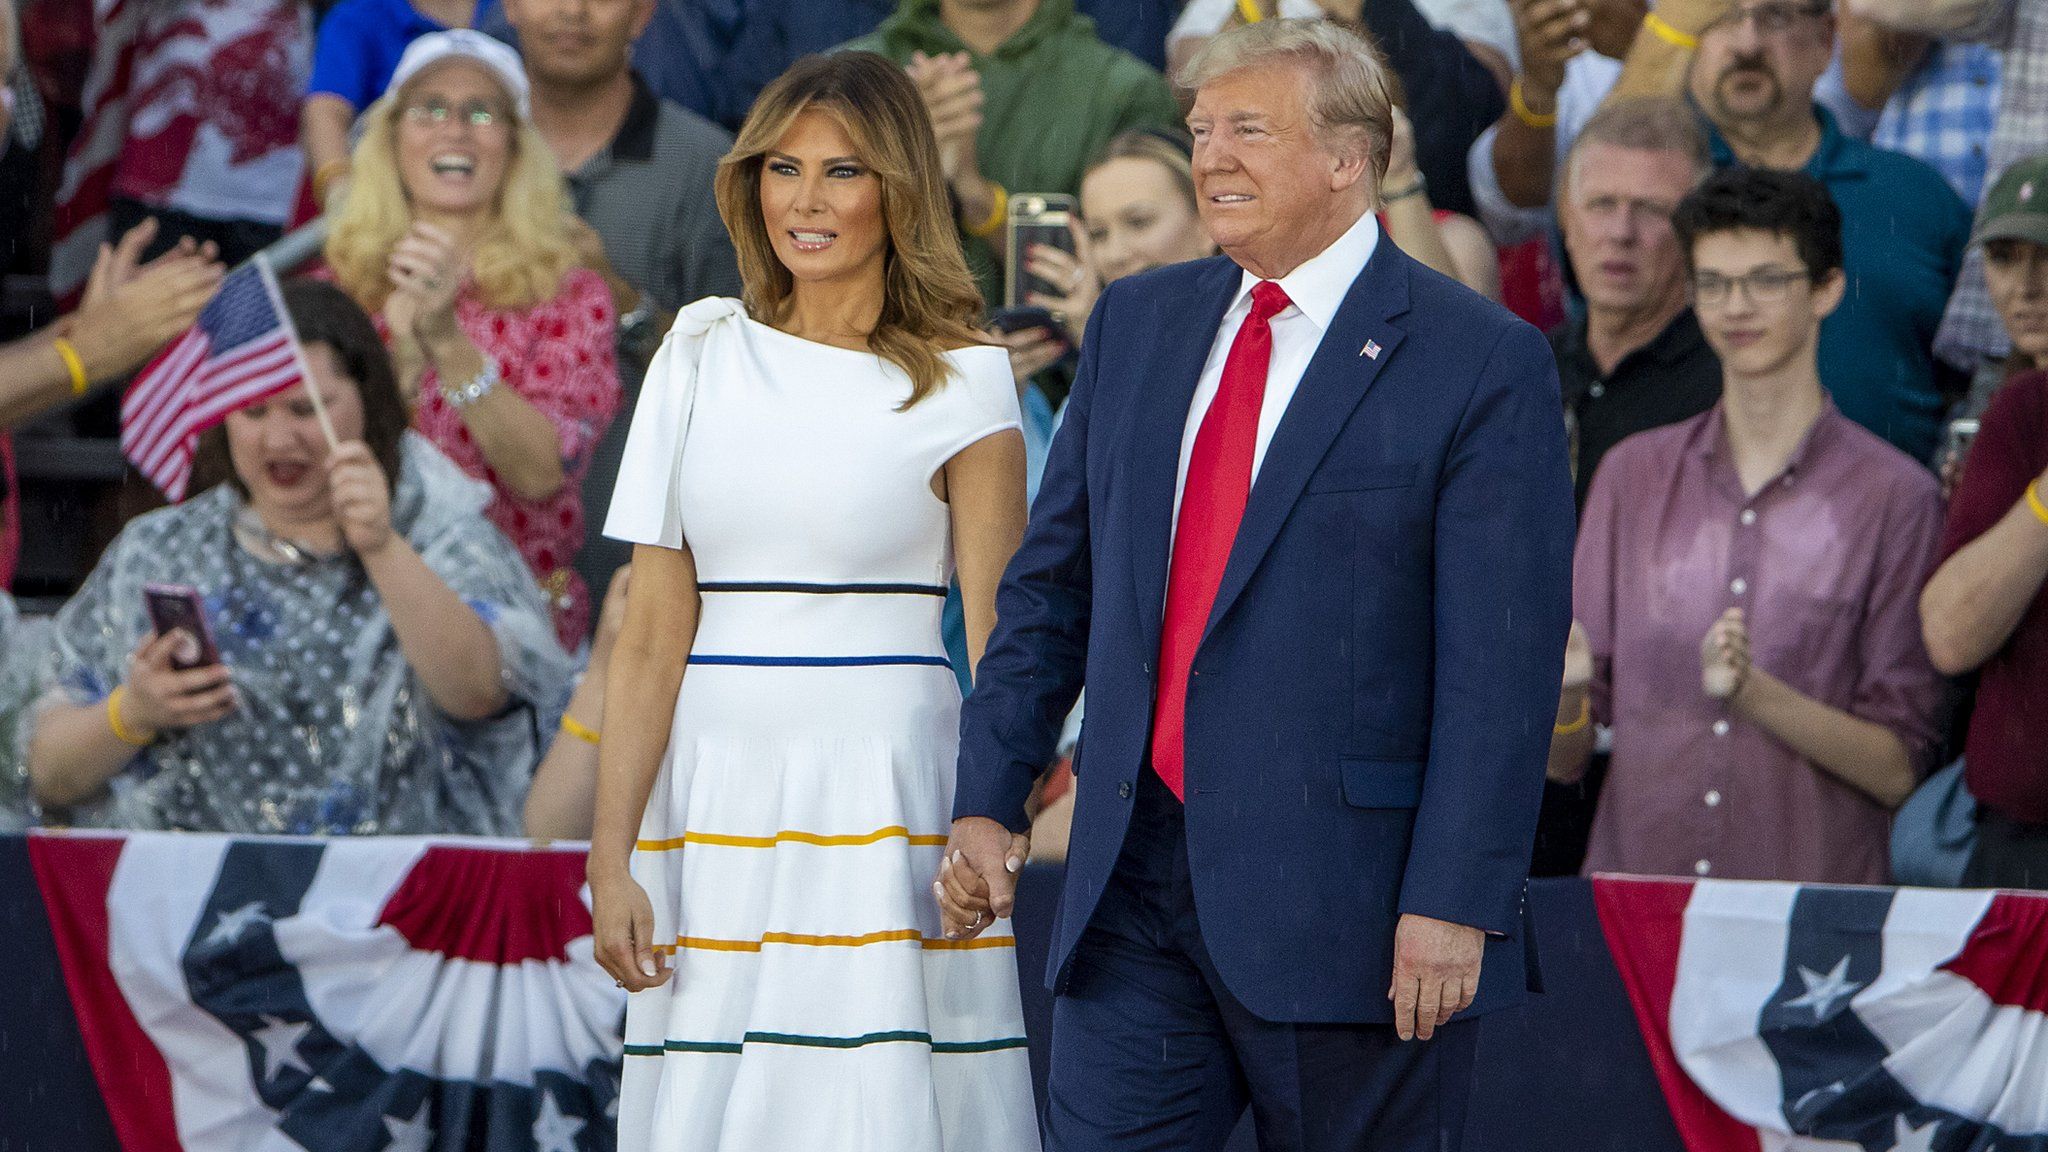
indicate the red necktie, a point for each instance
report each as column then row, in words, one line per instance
column 1211, row 505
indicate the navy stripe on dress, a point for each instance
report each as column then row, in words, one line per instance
column 819, row 661
column 825, row 589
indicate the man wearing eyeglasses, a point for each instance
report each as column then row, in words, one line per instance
column 1747, row 583
column 1750, row 67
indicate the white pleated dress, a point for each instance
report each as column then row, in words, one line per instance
column 801, row 812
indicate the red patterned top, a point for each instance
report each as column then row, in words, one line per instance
column 558, row 356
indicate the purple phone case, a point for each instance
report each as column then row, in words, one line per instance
column 173, row 606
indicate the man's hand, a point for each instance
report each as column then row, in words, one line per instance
column 1724, row 656
column 977, row 883
column 1551, row 32
column 1436, row 973
column 951, row 89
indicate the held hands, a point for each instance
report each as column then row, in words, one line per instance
column 622, row 925
column 161, row 697
column 361, row 498
column 952, row 94
column 977, row 883
column 1724, row 656
column 426, row 271
column 1436, row 973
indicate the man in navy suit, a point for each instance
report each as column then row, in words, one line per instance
column 1306, row 534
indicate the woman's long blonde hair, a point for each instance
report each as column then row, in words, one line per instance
column 521, row 255
column 929, row 300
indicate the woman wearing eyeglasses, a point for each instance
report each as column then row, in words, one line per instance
column 455, row 231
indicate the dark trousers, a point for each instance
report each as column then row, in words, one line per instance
column 1151, row 1052
column 2009, row 854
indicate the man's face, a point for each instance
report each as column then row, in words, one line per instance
column 1756, row 302
column 1761, row 61
column 1617, row 225
column 1266, row 182
column 577, row 43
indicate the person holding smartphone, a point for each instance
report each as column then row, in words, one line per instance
column 325, row 640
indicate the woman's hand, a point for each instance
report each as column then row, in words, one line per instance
column 1074, row 272
column 622, row 927
column 361, row 497
column 160, row 697
column 427, row 271
column 1032, row 350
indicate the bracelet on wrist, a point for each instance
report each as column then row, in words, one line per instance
column 1670, row 33
column 579, row 730
column 1415, row 188
column 1519, row 105
column 74, row 364
column 998, row 212
column 1578, row 725
column 479, row 386
column 2034, row 504
column 121, row 731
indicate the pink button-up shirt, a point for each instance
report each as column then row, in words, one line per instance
column 1826, row 561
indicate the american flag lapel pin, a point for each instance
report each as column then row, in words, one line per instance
column 1371, row 351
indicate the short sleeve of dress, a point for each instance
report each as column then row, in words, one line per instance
column 645, row 503
column 981, row 400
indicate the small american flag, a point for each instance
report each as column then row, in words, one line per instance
column 241, row 350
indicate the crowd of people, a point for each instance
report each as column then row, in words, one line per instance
column 1792, row 257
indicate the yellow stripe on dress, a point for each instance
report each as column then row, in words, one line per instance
column 714, row 839
column 929, row 943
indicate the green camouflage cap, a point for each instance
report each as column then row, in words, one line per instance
column 2016, row 208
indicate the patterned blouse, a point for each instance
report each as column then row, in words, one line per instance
column 558, row 356
column 332, row 732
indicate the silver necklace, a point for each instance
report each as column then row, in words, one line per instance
column 258, row 536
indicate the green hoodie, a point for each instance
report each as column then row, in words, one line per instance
column 1052, row 96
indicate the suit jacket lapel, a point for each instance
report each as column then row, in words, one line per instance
column 1159, row 418
column 1336, row 380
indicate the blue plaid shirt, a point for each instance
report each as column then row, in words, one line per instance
column 1944, row 114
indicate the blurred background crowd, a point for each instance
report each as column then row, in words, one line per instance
column 1812, row 637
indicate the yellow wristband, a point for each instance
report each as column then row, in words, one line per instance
column 1663, row 30
column 1585, row 718
column 121, row 731
column 1524, row 113
column 72, row 364
column 998, row 211
column 578, row 729
column 1249, row 9
column 2034, row 504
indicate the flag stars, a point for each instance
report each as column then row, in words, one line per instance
column 553, row 1131
column 1911, row 1139
column 229, row 926
column 1825, row 993
column 280, row 1042
column 414, row 1135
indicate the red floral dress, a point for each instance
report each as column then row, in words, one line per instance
column 558, row 356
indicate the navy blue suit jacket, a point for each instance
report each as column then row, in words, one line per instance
column 1370, row 709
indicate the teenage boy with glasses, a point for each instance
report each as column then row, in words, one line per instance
column 1750, row 69
column 1746, row 586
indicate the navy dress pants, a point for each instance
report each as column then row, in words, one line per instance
column 1151, row 1052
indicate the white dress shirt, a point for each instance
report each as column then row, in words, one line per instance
column 1315, row 291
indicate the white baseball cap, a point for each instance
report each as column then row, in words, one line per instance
column 496, row 56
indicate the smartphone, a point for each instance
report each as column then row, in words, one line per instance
column 178, row 607
column 1957, row 444
column 1035, row 218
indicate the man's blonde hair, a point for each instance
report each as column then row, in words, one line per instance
column 1350, row 97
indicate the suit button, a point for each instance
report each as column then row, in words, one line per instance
column 1123, row 791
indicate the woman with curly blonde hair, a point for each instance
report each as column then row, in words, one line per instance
column 456, row 231
column 807, row 468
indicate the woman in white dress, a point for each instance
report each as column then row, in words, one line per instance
column 805, row 471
